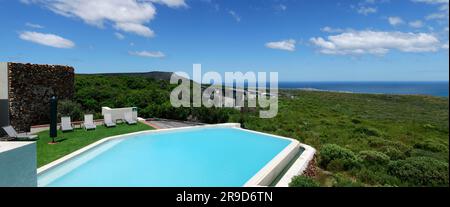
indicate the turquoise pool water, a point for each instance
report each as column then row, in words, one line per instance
column 197, row 157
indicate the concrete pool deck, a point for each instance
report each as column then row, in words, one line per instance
column 265, row 177
column 18, row 164
column 169, row 124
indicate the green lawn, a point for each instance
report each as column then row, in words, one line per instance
column 71, row 141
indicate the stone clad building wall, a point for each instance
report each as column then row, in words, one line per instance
column 30, row 87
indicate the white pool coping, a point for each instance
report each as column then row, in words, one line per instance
column 262, row 178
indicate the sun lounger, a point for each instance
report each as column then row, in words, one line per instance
column 129, row 118
column 66, row 124
column 13, row 134
column 108, row 121
column 89, row 122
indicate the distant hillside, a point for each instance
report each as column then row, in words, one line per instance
column 157, row 75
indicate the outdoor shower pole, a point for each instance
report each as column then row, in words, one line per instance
column 53, row 118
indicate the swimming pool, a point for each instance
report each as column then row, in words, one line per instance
column 200, row 156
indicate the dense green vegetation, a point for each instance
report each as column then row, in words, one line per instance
column 69, row 142
column 303, row 181
column 152, row 97
column 362, row 139
column 366, row 140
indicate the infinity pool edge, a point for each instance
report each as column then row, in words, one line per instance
column 264, row 177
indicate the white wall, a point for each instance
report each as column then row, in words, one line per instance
column 3, row 80
column 4, row 103
column 119, row 113
column 18, row 164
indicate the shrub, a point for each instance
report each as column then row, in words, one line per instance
column 303, row 181
column 432, row 146
column 420, row 171
column 343, row 156
column 356, row 121
column 378, row 142
column 425, row 153
column 429, row 126
column 343, row 181
column 70, row 108
column 211, row 115
column 337, row 165
column 269, row 127
column 405, row 149
column 393, row 153
column 369, row 131
column 376, row 176
column 374, row 158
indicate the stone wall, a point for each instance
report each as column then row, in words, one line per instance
column 30, row 88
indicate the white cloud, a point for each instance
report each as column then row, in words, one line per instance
column 235, row 15
column 376, row 1
column 394, row 21
column 445, row 46
column 416, row 24
column 36, row 26
column 441, row 13
column 136, row 28
column 281, row 7
column 432, row 1
column 125, row 15
column 47, row 39
column 376, row 43
column 331, row 30
column 366, row 7
column 212, row 4
column 171, row 3
column 366, row 10
column 437, row 15
column 27, row 1
column 148, row 54
column 288, row 45
column 119, row 36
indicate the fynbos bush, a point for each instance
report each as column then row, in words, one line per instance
column 393, row 153
column 374, row 158
column 432, row 146
column 303, row 181
column 377, row 142
column 369, row 131
column 338, row 157
column 420, row 171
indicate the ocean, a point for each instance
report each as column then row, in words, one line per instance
column 403, row 88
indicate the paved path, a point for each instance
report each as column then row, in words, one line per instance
column 167, row 124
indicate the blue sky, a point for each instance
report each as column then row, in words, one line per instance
column 303, row 40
